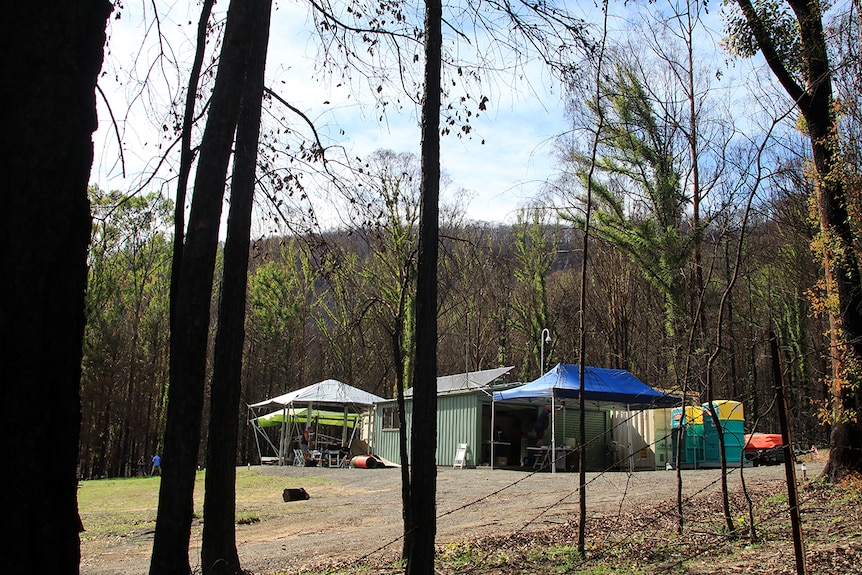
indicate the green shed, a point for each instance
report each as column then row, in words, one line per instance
column 466, row 415
column 462, row 401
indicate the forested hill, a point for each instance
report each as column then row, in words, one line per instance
column 331, row 304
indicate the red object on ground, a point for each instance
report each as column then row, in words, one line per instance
column 364, row 462
column 757, row 441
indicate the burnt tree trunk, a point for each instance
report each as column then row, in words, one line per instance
column 186, row 156
column 420, row 560
column 218, row 551
column 52, row 55
column 190, row 327
column 407, row 521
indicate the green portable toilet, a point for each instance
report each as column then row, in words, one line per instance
column 730, row 415
column 689, row 429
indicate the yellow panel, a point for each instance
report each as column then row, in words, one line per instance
column 727, row 410
column 693, row 415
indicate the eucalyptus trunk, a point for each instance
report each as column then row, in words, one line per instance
column 840, row 260
column 53, row 51
column 190, row 326
column 218, row 550
column 423, row 480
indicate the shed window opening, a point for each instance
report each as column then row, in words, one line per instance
column 390, row 418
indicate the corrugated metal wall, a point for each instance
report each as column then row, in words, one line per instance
column 567, row 426
column 459, row 420
column 385, row 441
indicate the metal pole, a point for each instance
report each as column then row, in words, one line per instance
column 543, row 337
column 493, row 431
column 542, row 360
column 631, row 454
column 344, row 427
column 553, row 433
column 789, row 468
column 283, row 445
column 256, row 428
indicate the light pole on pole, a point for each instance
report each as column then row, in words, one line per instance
column 545, row 337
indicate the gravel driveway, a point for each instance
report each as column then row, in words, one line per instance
column 356, row 513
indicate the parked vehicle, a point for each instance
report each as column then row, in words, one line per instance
column 767, row 449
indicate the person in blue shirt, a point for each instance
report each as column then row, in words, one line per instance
column 157, row 466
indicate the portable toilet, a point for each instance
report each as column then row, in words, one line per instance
column 730, row 415
column 687, row 426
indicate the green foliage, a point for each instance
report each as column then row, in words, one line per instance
column 567, row 557
column 275, row 298
column 334, row 309
column 247, row 519
column 639, row 203
column 461, row 554
column 276, row 302
column 125, row 342
column 535, row 249
column 780, row 24
column 778, row 497
column 383, row 282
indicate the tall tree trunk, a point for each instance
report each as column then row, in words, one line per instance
column 186, row 149
column 840, row 259
column 424, row 424
column 689, row 22
column 582, row 303
column 218, row 551
column 842, row 263
column 398, row 356
column 52, row 55
column 190, row 329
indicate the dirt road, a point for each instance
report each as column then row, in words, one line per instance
column 355, row 513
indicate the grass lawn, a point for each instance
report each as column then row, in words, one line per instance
column 121, row 507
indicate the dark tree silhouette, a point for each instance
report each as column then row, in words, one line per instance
column 423, row 480
column 52, row 55
column 186, row 156
column 190, row 326
column 218, row 550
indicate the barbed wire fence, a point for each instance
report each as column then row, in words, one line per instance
column 716, row 539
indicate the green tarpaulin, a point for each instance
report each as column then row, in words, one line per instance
column 300, row 415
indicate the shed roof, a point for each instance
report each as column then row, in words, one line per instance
column 470, row 381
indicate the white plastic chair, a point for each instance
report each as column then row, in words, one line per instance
column 298, row 458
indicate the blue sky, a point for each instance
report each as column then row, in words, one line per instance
column 498, row 175
column 502, row 166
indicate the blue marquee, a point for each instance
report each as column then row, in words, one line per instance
column 601, row 384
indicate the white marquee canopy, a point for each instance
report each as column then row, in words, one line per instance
column 330, row 391
column 314, row 404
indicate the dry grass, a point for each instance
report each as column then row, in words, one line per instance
column 119, row 517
